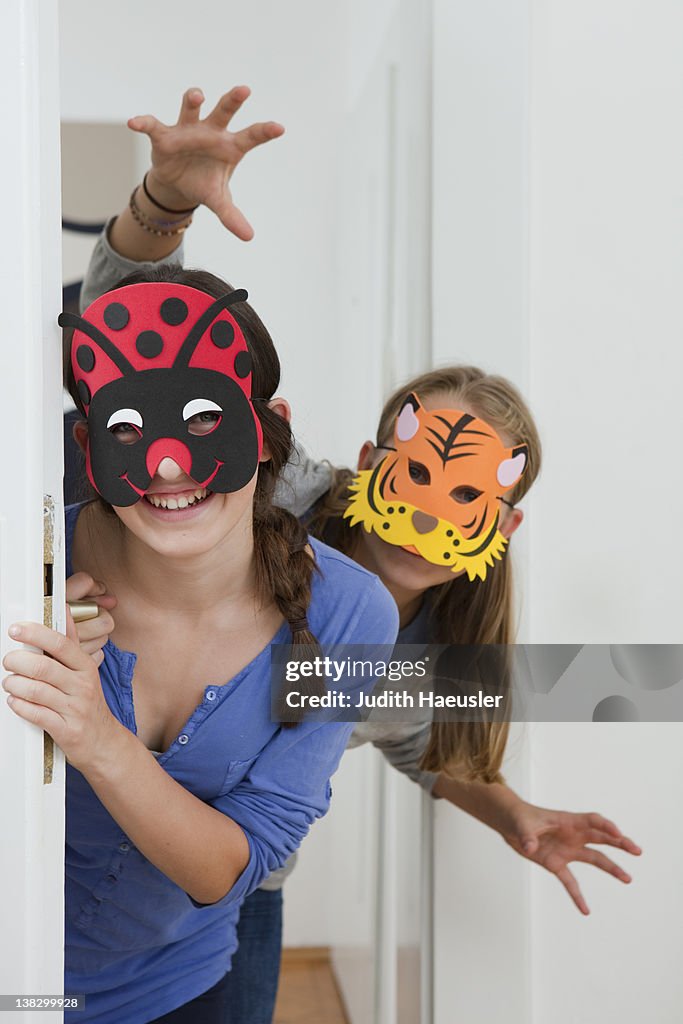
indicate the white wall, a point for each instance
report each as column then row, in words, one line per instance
column 606, row 364
column 480, row 184
column 621, row 965
column 557, row 258
column 606, row 318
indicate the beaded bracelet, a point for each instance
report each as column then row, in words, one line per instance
column 155, row 220
column 166, row 209
column 156, row 227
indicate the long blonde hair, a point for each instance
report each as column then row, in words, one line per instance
column 460, row 612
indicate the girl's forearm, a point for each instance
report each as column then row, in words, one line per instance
column 491, row 803
column 201, row 850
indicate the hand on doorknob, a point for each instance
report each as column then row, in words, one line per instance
column 92, row 632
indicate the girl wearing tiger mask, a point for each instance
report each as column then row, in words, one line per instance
column 471, row 602
column 435, row 534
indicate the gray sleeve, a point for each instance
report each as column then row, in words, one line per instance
column 107, row 267
column 302, row 482
column 401, row 744
column 276, row 879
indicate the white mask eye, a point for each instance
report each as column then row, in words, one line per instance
column 199, row 405
column 125, row 416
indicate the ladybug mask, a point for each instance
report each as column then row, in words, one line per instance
column 163, row 370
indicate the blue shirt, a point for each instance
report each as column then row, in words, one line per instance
column 136, row 944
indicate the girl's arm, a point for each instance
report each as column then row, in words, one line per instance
column 222, row 849
column 192, row 164
column 196, row 846
column 107, row 267
column 402, row 744
column 550, row 838
column 201, row 850
column 302, row 482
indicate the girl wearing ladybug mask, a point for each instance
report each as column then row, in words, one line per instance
column 182, row 794
column 432, row 521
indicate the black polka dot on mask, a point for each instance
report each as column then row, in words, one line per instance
column 84, row 392
column 242, row 364
column 116, row 316
column 173, row 311
column 149, row 344
column 85, row 357
column 223, row 334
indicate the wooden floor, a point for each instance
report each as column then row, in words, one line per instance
column 308, row 992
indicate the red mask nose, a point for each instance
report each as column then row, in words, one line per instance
column 168, row 447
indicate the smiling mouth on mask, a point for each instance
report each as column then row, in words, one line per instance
column 188, row 499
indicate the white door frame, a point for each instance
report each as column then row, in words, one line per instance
column 32, row 793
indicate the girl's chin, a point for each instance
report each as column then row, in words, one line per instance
column 407, row 566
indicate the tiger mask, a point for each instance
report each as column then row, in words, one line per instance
column 437, row 493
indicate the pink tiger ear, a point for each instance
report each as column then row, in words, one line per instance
column 510, row 470
column 407, row 423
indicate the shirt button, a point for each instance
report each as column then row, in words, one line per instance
column 210, row 694
column 183, row 739
column 124, row 847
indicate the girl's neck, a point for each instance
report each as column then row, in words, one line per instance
column 407, row 601
column 192, row 584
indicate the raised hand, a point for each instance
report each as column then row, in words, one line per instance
column 194, row 159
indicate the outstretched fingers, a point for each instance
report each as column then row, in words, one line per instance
column 233, row 219
column 609, row 839
column 190, row 106
column 572, row 886
column 599, row 860
column 594, row 820
column 257, row 134
column 146, row 124
column 228, row 105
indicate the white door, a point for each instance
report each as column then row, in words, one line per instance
column 32, row 790
column 386, row 276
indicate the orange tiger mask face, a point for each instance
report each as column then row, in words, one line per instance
column 438, row 493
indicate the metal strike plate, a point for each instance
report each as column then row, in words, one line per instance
column 48, row 620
